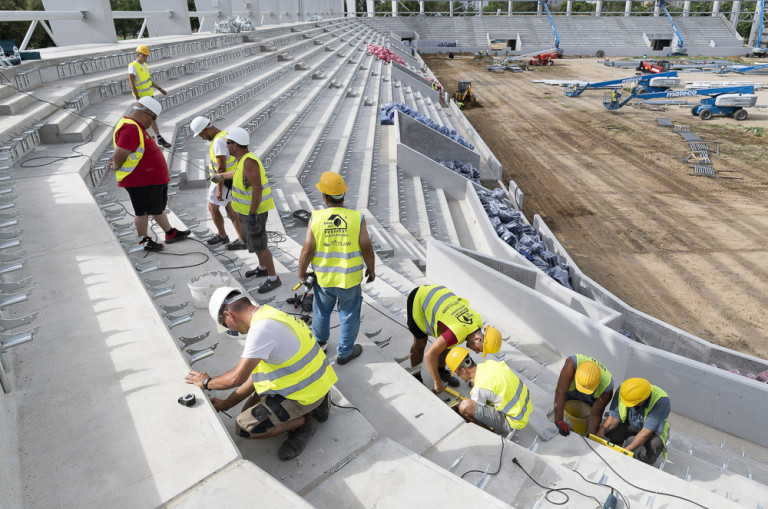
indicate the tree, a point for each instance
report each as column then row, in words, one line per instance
column 16, row 30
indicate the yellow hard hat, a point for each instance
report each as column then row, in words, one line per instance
column 588, row 376
column 456, row 358
column 634, row 391
column 142, row 49
column 331, row 183
column 491, row 341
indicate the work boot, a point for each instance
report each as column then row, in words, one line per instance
column 269, row 285
column 162, row 142
column 236, row 245
column 151, row 245
column 297, row 439
column 176, row 235
column 321, row 413
column 447, row 379
column 218, row 239
column 256, row 272
column 356, row 351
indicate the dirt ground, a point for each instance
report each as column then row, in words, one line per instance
column 688, row 250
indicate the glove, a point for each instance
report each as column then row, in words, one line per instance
column 563, row 427
column 216, row 178
column 252, row 219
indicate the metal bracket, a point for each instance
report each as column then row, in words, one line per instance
column 194, row 339
column 172, row 309
column 16, row 234
column 12, row 323
column 178, row 320
column 200, row 356
column 157, row 282
column 10, row 257
column 192, row 351
column 5, row 344
column 156, row 294
column 373, row 334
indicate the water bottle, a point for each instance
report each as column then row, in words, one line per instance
column 16, row 53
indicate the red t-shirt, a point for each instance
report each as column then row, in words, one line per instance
column 152, row 169
column 448, row 335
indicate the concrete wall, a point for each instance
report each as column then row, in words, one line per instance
column 477, row 140
column 99, row 27
column 10, row 483
column 430, row 142
column 416, row 164
column 416, row 82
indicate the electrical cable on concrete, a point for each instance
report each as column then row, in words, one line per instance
column 613, row 490
column 386, row 316
column 489, row 473
column 556, row 490
column 346, row 407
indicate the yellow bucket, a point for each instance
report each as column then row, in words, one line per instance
column 576, row 413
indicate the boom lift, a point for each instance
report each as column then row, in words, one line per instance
column 554, row 30
column 679, row 48
column 642, row 83
column 729, row 101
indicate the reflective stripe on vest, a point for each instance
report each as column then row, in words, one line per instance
column 338, row 259
column 306, row 377
column 656, row 394
column 434, row 304
column 133, row 159
column 213, row 167
column 605, row 375
column 143, row 80
column 242, row 195
column 515, row 402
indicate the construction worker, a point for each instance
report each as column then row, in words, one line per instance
column 282, row 372
column 219, row 195
column 253, row 202
column 141, row 85
column 337, row 244
column 583, row 379
column 435, row 311
column 641, row 410
column 615, row 96
column 499, row 400
column 141, row 169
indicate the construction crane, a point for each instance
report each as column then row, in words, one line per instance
column 759, row 50
column 679, row 48
column 641, row 84
column 554, row 30
column 729, row 101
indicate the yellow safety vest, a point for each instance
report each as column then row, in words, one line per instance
column 338, row 259
column 132, row 161
column 143, row 80
column 434, row 303
column 242, row 194
column 656, row 394
column 231, row 161
column 306, row 377
column 605, row 375
column 496, row 377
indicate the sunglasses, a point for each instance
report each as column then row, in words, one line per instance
column 225, row 307
column 230, row 142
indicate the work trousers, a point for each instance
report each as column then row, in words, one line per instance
column 350, row 301
column 647, row 453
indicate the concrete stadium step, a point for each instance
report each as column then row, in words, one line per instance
column 365, row 148
column 466, row 226
column 15, row 103
column 446, row 226
column 76, row 125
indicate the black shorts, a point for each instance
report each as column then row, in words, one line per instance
column 415, row 330
column 255, row 235
column 148, row 199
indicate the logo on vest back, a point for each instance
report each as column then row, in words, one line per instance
column 335, row 225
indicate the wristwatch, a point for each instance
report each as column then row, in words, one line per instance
column 205, row 383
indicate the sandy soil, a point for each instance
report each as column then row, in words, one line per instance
column 611, row 185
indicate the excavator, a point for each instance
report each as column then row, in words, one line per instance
column 464, row 95
column 723, row 101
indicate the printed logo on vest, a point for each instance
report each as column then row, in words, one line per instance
column 335, row 225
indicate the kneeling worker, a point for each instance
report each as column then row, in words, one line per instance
column 641, row 411
column 499, row 399
column 286, row 375
column 583, row 379
column 435, row 311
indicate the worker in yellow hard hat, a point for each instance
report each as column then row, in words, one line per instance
column 583, row 379
column 434, row 310
column 141, row 85
column 641, row 411
column 499, row 400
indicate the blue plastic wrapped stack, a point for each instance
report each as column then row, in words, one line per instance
column 466, row 170
column 387, row 117
column 447, row 44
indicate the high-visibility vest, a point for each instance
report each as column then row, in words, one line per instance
column 656, row 394
column 143, row 80
column 338, row 258
column 605, row 375
column 132, row 161
column 515, row 402
column 242, row 194
column 434, row 303
column 306, row 377
column 214, row 166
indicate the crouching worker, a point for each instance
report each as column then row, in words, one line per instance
column 499, row 400
column 583, row 379
column 641, row 411
column 283, row 373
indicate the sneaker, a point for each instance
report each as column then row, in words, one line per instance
column 151, row 245
column 162, row 142
column 218, row 239
column 297, row 439
column 321, row 413
column 235, row 245
column 268, row 285
column 356, row 351
column 176, row 235
column 447, row 379
column 256, row 272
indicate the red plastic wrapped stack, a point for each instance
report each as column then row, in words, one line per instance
column 383, row 53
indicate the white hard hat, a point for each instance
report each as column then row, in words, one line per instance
column 239, row 136
column 218, row 299
column 151, row 104
column 198, row 124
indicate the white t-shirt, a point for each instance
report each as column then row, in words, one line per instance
column 220, row 147
column 132, row 70
column 271, row 341
column 483, row 396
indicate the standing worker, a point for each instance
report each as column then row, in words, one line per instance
column 141, row 85
column 140, row 168
column 286, row 375
column 219, row 195
column 583, row 379
column 641, row 410
column 434, row 311
column 615, row 95
column 337, row 244
column 499, row 400
column 252, row 199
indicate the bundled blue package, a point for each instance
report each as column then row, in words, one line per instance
column 495, row 222
column 560, row 276
column 499, row 193
column 549, row 257
column 539, row 263
column 507, row 237
column 628, row 333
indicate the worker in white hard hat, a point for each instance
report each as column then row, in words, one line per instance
column 141, row 85
column 252, row 199
column 219, row 195
column 283, row 373
column 499, row 400
column 337, row 245
column 639, row 411
column 141, row 169
column 583, row 379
